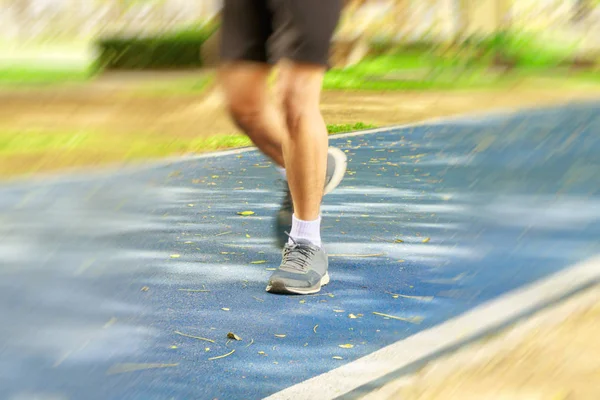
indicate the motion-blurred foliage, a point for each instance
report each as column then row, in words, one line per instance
column 170, row 50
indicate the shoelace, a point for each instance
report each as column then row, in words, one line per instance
column 297, row 256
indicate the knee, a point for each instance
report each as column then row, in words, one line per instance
column 245, row 110
column 297, row 103
column 244, row 89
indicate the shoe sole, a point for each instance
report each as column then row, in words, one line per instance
column 340, row 172
column 280, row 287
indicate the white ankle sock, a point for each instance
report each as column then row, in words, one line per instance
column 307, row 230
column 281, row 170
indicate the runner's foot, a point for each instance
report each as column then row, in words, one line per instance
column 303, row 270
column 337, row 163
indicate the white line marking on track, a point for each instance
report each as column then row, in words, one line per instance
column 495, row 313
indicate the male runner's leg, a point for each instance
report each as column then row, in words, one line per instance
column 246, row 27
column 307, row 28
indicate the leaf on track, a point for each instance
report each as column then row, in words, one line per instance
column 194, row 337
column 223, row 356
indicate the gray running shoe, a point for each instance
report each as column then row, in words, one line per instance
column 337, row 162
column 302, row 271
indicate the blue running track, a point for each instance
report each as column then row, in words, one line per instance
column 103, row 281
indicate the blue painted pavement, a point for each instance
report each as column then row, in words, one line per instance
column 102, row 279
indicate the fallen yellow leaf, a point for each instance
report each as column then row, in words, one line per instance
column 346, row 346
column 421, row 298
column 110, row 323
column 258, row 262
column 193, row 337
column 246, row 213
column 223, row 356
column 426, row 240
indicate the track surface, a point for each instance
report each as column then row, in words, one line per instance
column 98, row 275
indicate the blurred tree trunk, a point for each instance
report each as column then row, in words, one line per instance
column 353, row 5
column 210, row 50
column 504, row 13
column 117, row 9
column 22, row 13
column 401, row 16
column 581, row 10
column 483, row 16
column 464, row 19
column 348, row 46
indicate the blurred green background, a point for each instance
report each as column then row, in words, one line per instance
column 88, row 83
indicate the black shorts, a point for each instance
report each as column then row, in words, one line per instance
column 269, row 30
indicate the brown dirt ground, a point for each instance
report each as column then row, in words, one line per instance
column 553, row 356
column 112, row 107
